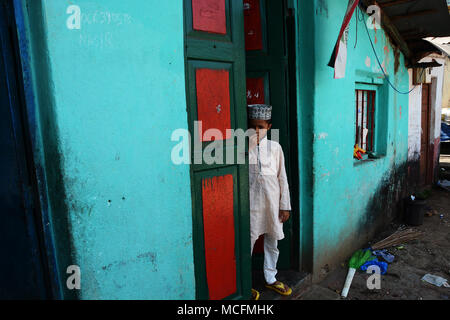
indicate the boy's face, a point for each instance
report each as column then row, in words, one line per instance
column 260, row 126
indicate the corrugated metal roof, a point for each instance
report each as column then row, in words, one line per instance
column 442, row 44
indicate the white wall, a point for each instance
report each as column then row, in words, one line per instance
column 414, row 126
column 437, row 87
column 415, row 108
column 446, row 91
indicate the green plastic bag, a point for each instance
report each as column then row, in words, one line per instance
column 359, row 258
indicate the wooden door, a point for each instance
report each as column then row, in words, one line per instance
column 267, row 82
column 215, row 72
column 425, row 135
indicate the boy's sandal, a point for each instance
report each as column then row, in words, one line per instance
column 280, row 287
column 255, row 295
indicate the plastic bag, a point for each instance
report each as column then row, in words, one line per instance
column 382, row 265
column 389, row 258
column 436, row 280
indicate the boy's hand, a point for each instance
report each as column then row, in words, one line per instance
column 284, row 215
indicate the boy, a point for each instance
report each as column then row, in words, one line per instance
column 269, row 194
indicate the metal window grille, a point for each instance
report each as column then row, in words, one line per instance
column 365, row 115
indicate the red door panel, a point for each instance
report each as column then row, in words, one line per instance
column 255, row 91
column 209, row 16
column 218, row 220
column 252, row 25
column 213, row 102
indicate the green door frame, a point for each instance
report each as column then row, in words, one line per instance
column 291, row 47
column 219, row 52
column 304, row 13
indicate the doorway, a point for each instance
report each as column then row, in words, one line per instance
column 270, row 58
column 220, row 71
column 425, row 136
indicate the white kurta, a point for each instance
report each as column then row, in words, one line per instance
column 269, row 189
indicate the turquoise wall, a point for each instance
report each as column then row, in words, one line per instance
column 107, row 98
column 342, row 211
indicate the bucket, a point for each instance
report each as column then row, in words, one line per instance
column 414, row 212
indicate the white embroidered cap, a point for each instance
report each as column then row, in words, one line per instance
column 259, row 112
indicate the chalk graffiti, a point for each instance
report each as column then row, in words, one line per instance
column 106, row 17
column 103, row 40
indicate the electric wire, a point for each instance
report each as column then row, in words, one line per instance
column 378, row 59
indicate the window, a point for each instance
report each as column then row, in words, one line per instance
column 365, row 123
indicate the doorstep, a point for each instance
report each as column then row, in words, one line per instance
column 298, row 281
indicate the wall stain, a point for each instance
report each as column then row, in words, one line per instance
column 396, row 49
column 322, row 8
column 396, row 59
column 384, row 206
column 151, row 256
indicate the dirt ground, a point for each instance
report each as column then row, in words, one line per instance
column 429, row 254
